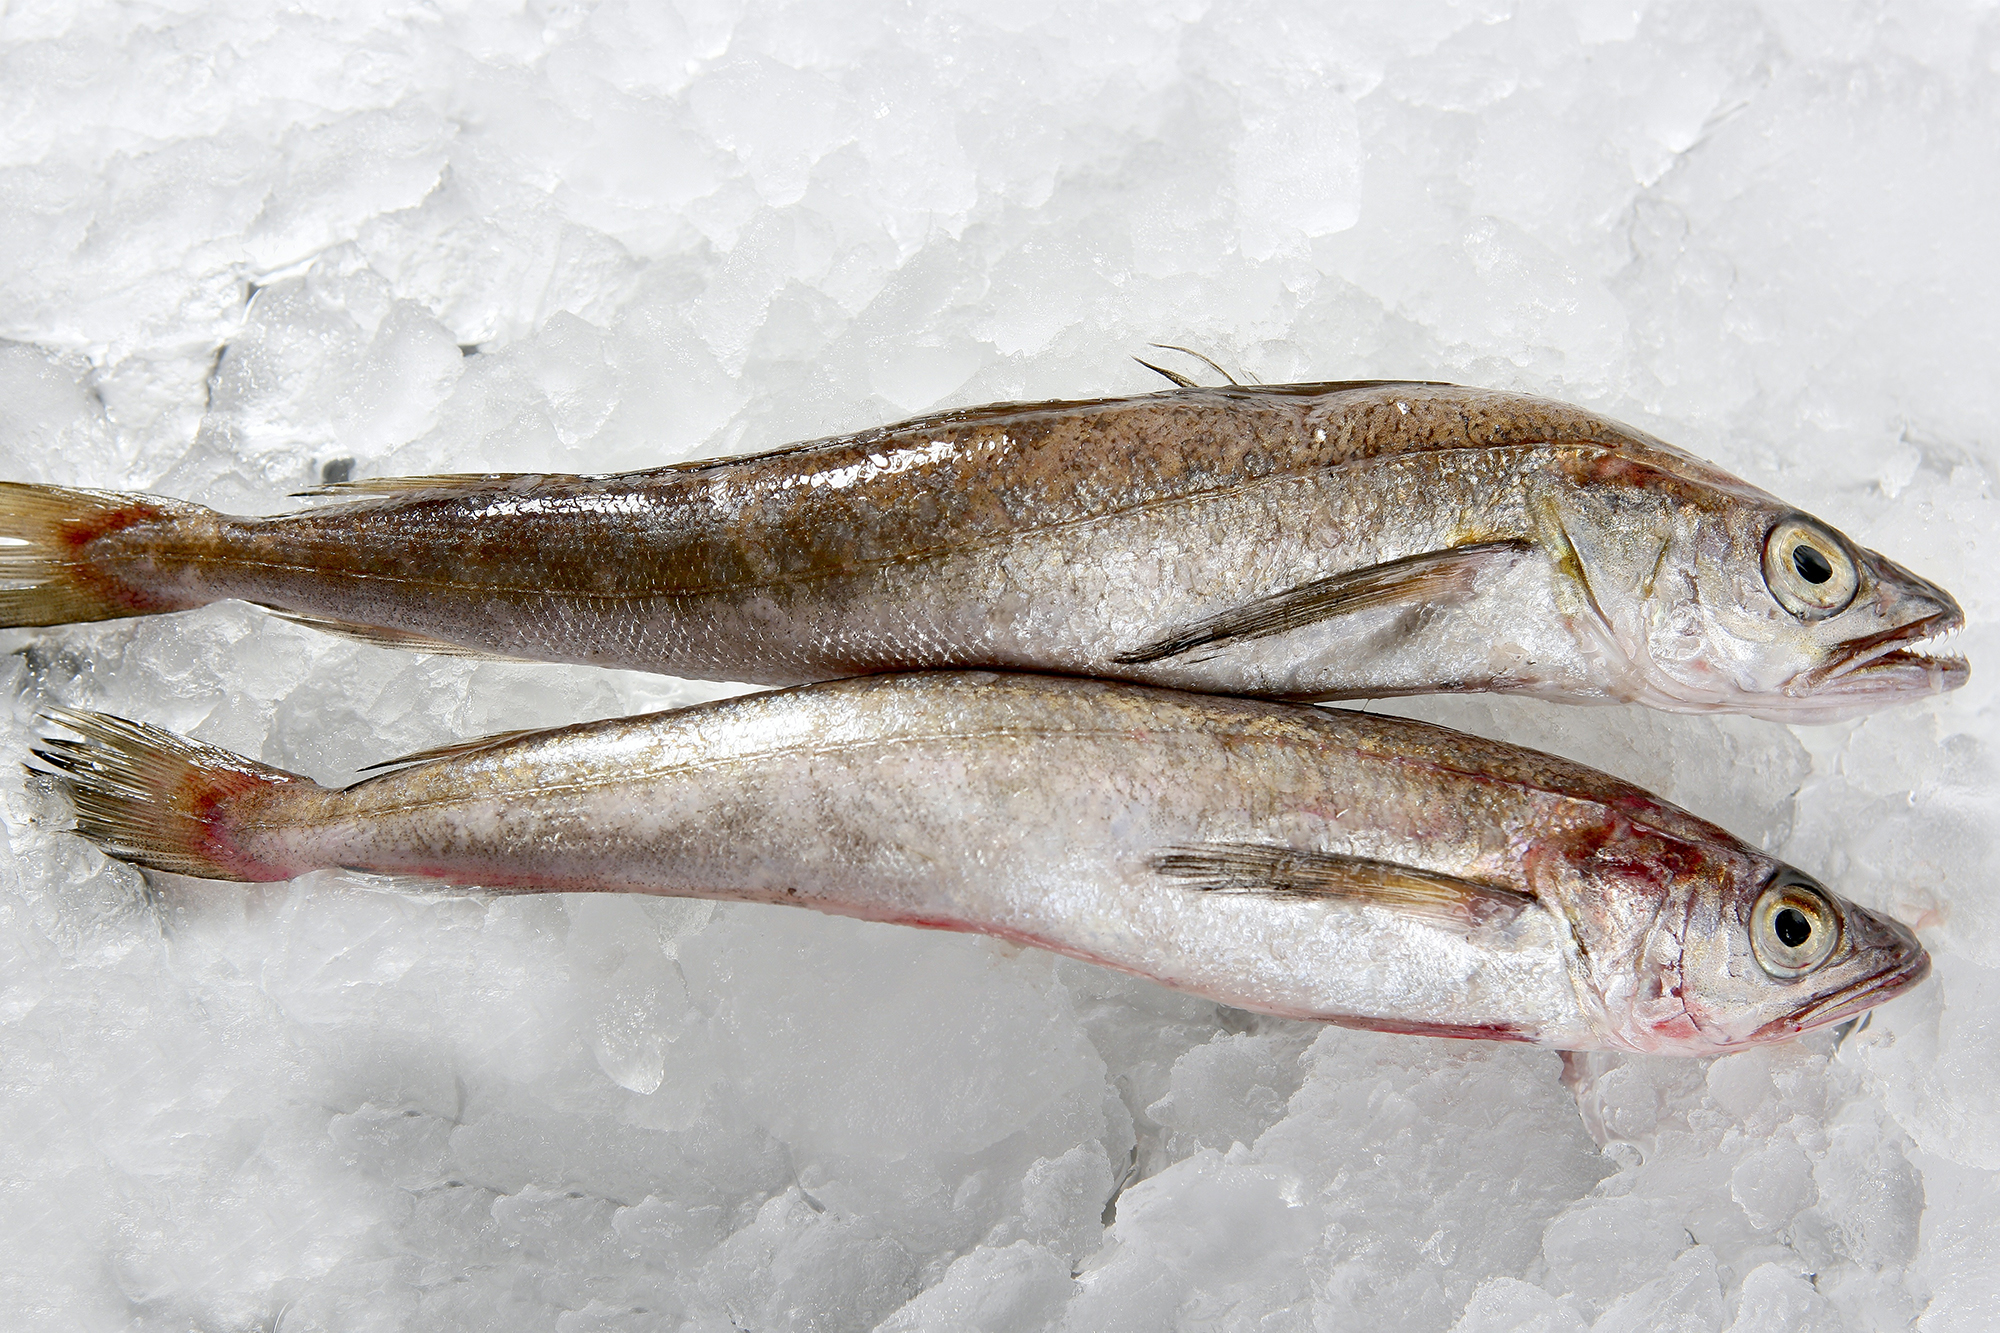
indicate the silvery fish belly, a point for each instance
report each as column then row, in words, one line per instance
column 1311, row 541
column 1319, row 864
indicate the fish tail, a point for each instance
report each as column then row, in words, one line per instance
column 54, row 565
column 148, row 796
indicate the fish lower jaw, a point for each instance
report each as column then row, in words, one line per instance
column 1927, row 651
column 1896, row 669
column 1916, row 647
column 1896, row 673
column 1850, row 1003
column 1949, row 670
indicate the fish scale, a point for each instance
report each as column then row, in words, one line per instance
column 1308, row 541
column 1312, row 863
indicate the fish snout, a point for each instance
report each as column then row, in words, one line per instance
column 1904, row 598
column 1893, row 646
column 1904, row 955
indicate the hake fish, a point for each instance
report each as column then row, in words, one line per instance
column 1312, row 541
column 1366, row 871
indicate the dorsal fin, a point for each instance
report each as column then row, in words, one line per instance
column 1173, row 377
column 449, row 750
column 1206, row 360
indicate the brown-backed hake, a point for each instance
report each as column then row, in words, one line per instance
column 1314, row 863
column 1317, row 541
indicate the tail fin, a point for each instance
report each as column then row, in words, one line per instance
column 47, row 575
column 147, row 796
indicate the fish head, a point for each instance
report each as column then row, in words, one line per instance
column 1721, row 598
column 1687, row 946
column 1789, row 956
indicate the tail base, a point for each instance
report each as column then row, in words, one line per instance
column 155, row 799
column 49, row 573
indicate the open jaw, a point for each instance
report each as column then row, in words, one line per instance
column 1905, row 649
column 1900, row 662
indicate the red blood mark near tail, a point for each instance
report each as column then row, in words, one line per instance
column 214, row 800
column 87, row 570
column 80, row 532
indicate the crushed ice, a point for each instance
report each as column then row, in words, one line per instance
column 251, row 248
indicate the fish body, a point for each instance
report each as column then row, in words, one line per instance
column 1318, row 541
column 1312, row 863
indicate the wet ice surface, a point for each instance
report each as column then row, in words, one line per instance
column 590, row 238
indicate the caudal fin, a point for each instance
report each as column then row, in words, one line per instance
column 147, row 796
column 52, row 567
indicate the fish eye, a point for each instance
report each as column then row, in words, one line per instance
column 1794, row 926
column 1808, row 569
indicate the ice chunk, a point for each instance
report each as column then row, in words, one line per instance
column 1600, row 1249
column 1937, row 1056
column 1960, row 1261
column 833, row 1060
column 799, row 1262
column 1232, row 1089
column 1774, row 1298
column 623, row 950
column 1404, row 1173
column 1778, row 1155
column 328, row 365
column 1509, row 1305
column 1019, row 1289
column 1684, row 1299
column 51, row 426
column 1063, row 1202
column 1774, row 1184
column 1209, row 1234
column 777, row 121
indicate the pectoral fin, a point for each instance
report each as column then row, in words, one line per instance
column 1285, row 872
column 1433, row 577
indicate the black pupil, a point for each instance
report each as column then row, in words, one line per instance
column 1792, row 927
column 1812, row 566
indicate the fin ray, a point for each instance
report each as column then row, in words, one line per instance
column 375, row 488
column 1285, row 872
column 449, row 750
column 1173, row 377
column 47, row 575
column 1202, row 357
column 148, row 796
column 1434, row 576
column 377, row 636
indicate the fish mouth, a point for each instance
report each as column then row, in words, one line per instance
column 1857, row 998
column 1907, row 659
